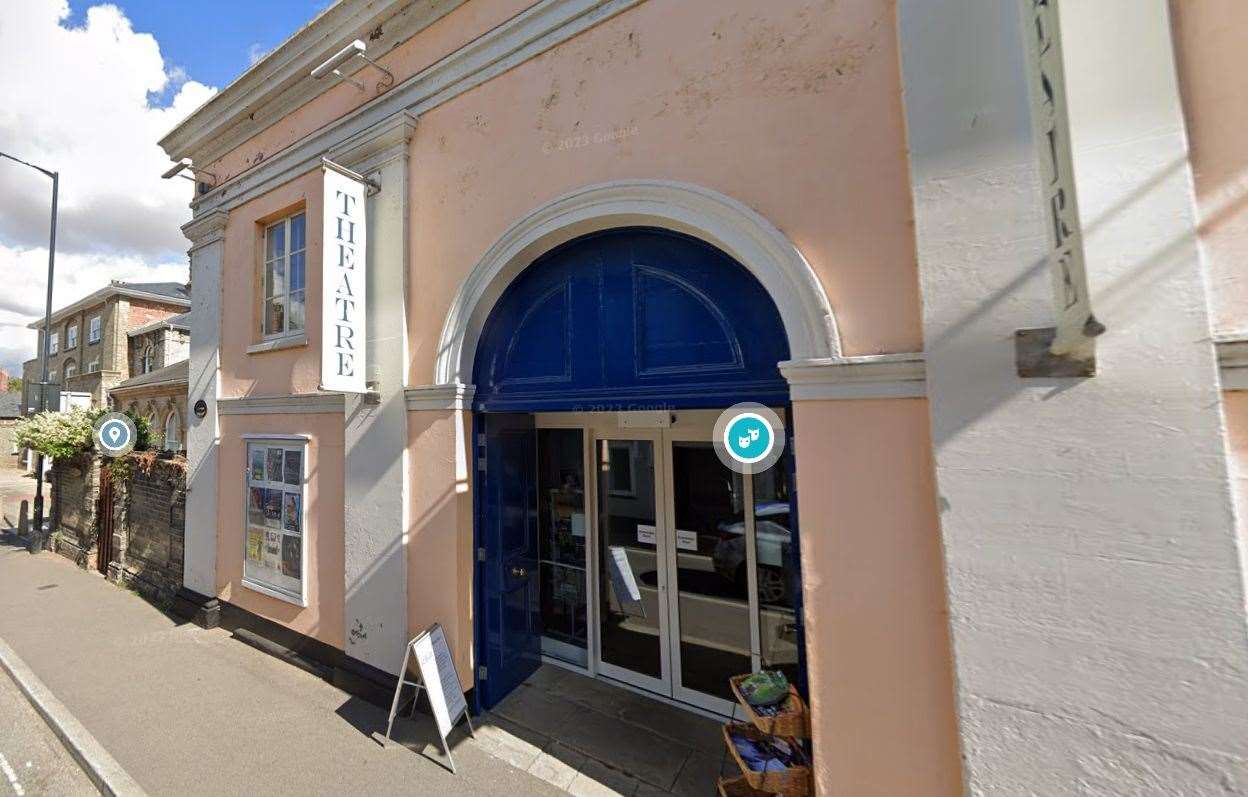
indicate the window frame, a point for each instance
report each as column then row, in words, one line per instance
column 175, row 418
column 71, row 336
column 69, row 366
column 146, row 358
column 92, row 367
column 286, row 443
column 95, row 329
column 54, row 343
column 265, row 294
column 631, row 491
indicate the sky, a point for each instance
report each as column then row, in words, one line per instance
column 89, row 88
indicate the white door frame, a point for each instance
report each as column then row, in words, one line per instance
column 690, row 425
column 602, row 431
column 698, row 426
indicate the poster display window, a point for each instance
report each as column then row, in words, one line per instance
column 273, row 543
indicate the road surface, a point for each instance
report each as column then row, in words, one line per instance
column 32, row 760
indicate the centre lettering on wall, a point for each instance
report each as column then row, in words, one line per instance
column 1076, row 323
column 344, row 257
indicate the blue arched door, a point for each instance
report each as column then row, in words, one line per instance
column 627, row 319
column 631, row 317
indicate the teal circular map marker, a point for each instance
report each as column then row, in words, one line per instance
column 115, row 434
column 749, row 438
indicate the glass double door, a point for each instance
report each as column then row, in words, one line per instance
column 675, row 597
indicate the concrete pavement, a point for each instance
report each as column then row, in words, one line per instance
column 187, row 711
column 15, row 487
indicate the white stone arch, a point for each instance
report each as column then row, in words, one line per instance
column 174, row 418
column 710, row 216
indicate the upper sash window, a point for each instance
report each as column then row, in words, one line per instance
column 284, row 284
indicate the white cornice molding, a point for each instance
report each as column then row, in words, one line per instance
column 302, row 404
column 281, row 81
column 103, row 295
column 1233, row 361
column 439, row 397
column 206, row 228
column 904, row 375
column 371, row 149
column 863, row 377
column 540, row 28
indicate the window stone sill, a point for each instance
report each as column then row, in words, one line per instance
column 277, row 344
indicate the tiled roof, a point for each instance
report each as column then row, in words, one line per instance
column 171, row 292
column 180, row 321
column 174, row 290
column 178, row 372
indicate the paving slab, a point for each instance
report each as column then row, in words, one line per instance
column 540, row 710
column 598, row 780
column 701, row 773
column 558, row 765
column 623, row 736
column 675, row 724
column 632, row 749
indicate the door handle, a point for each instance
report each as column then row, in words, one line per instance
column 519, row 572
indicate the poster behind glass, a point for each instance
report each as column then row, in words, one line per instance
column 273, row 542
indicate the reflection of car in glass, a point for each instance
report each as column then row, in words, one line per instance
column 771, row 528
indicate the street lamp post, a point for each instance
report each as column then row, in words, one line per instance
column 36, row 535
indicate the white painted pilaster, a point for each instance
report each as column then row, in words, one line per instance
column 376, row 424
column 203, row 435
column 1095, row 587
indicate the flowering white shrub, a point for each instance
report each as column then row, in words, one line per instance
column 58, row 434
column 65, row 434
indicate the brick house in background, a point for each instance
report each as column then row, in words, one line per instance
column 4, row 381
column 156, row 389
column 90, row 351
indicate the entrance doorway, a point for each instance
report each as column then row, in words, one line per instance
column 659, row 567
column 611, row 539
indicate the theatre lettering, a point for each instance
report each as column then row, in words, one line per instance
column 344, row 252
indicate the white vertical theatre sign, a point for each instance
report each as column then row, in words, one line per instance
column 344, row 357
column 1076, row 324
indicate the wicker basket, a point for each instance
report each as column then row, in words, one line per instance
column 791, row 782
column 792, row 720
column 737, row 787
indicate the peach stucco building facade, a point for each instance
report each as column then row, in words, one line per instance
column 866, row 163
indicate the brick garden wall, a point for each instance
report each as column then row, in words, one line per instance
column 149, row 521
column 150, row 529
column 75, row 488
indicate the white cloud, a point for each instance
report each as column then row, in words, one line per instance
column 83, row 101
column 255, row 52
column 23, row 297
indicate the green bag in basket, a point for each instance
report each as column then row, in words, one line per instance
column 765, row 688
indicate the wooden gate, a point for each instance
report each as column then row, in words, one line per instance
column 104, row 522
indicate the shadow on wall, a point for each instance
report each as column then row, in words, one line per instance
column 982, row 355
